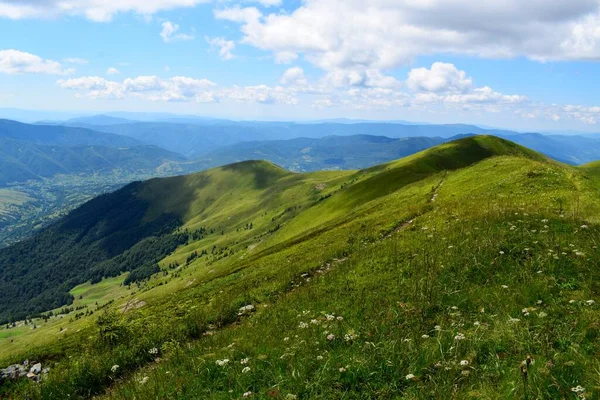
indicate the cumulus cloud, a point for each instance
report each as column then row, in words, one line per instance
column 112, row 71
column 95, row 10
column 293, row 76
column 225, row 47
column 170, row 33
column 19, row 62
column 178, row 88
column 383, row 34
column 441, row 77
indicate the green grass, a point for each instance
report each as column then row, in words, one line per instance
column 469, row 237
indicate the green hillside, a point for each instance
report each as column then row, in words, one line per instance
column 21, row 161
column 433, row 276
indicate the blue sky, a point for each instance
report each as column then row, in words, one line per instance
column 499, row 63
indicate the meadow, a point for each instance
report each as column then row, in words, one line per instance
column 469, row 270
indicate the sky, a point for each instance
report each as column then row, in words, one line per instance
column 527, row 65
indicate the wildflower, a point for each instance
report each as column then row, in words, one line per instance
column 571, row 301
column 584, row 227
column 525, row 312
column 465, row 372
column 476, row 323
column 290, row 396
column 437, row 328
column 349, row 336
column 114, row 368
column 542, row 315
column 222, row 363
column 410, row 377
column 315, row 321
column 504, row 286
column 539, row 302
column 285, row 339
column 244, row 361
column 464, row 363
column 501, row 252
column 303, row 325
column 425, row 336
column 245, row 370
column 144, row 380
column 460, row 336
column 590, row 302
column 513, row 320
column 454, row 308
column 330, row 317
column 342, row 369
column 340, row 318
column 247, row 394
column 578, row 389
column 319, row 358
column 331, row 337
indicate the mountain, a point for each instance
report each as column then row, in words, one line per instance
column 308, row 154
column 62, row 135
column 94, row 120
column 466, row 270
column 21, row 161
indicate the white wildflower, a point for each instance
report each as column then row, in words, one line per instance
column 460, row 336
column 425, row 336
column 114, row 368
column 464, row 363
column 303, row 325
column 330, row 317
column 153, row 350
column 331, row 337
column 542, row 315
column 247, row 394
column 340, row 318
column 342, row 369
column 584, row 227
column 290, row 396
column 319, row 358
column 513, row 320
column 476, row 323
column 437, row 328
column 285, row 339
column 222, row 363
column 590, row 302
column 410, row 377
column 244, row 361
column 144, row 380
column 245, row 370
column 578, row 389
column 504, row 286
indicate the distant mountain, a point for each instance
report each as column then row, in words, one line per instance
column 20, row 160
column 96, row 120
column 62, row 135
column 310, row 154
column 573, row 150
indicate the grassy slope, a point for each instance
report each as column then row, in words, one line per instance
column 464, row 236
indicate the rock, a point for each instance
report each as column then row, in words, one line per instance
column 36, row 369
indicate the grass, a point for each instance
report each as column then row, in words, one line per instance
column 430, row 277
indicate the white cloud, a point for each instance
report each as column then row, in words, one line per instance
column 19, row 62
column 178, row 88
column 362, row 35
column 95, row 10
column 248, row 15
column 294, row 76
column 266, row 3
column 442, row 77
column 225, row 46
column 170, row 33
column 112, row 71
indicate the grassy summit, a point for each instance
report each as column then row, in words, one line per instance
column 434, row 276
